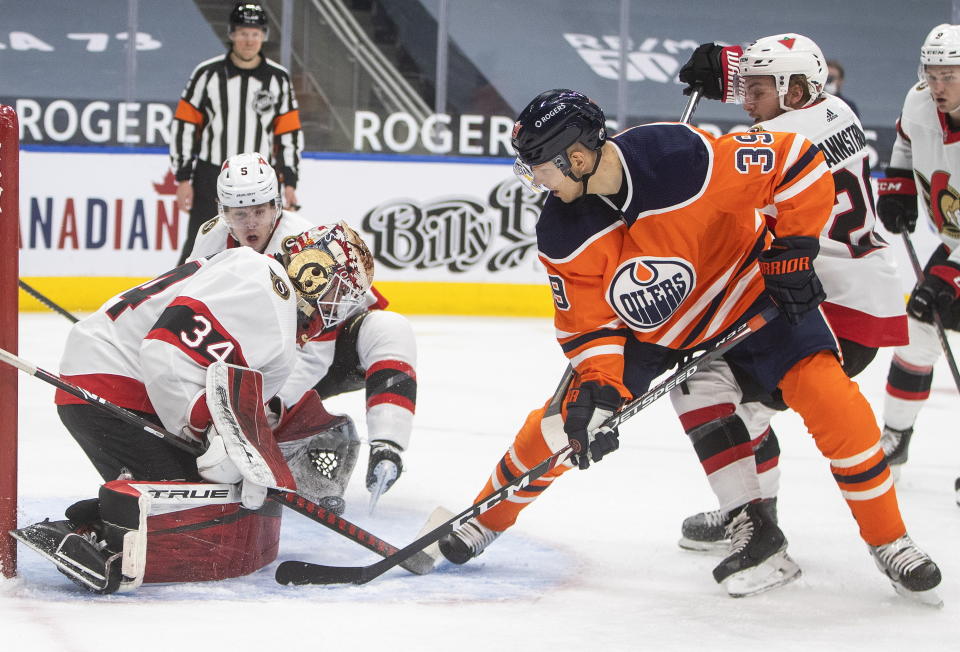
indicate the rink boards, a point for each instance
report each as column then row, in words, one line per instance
column 450, row 235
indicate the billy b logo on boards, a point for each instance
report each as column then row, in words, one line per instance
column 646, row 292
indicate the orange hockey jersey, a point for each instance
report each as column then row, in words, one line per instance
column 670, row 261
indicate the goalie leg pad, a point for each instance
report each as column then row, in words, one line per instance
column 187, row 532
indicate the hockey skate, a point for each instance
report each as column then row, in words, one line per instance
column 758, row 559
column 79, row 553
column 913, row 574
column 707, row 531
column 895, row 445
column 466, row 542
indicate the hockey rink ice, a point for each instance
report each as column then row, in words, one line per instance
column 593, row 564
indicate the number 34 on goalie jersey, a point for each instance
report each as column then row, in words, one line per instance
column 185, row 323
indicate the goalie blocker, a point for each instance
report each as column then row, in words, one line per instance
column 172, row 531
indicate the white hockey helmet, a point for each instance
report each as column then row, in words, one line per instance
column 784, row 55
column 941, row 47
column 247, row 180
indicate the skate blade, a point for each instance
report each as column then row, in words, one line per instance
column 721, row 547
column 929, row 597
column 773, row 572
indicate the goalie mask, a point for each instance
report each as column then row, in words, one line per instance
column 781, row 57
column 552, row 122
column 331, row 269
column 248, row 197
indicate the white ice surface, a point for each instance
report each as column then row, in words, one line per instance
column 592, row 565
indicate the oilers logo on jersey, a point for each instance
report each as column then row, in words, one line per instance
column 646, row 291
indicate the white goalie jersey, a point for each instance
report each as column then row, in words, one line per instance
column 214, row 235
column 863, row 302
column 929, row 147
column 314, row 357
column 148, row 348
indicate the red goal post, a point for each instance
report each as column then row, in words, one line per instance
column 9, row 273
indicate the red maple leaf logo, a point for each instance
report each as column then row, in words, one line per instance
column 788, row 42
column 168, row 186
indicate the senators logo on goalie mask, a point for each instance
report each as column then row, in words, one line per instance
column 645, row 292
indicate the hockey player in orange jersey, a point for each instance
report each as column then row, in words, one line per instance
column 654, row 248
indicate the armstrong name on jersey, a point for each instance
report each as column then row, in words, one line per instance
column 843, row 144
column 646, row 304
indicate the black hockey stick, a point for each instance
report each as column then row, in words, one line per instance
column 420, row 565
column 937, row 321
column 300, row 572
column 33, row 292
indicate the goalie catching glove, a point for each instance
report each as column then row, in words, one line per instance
column 588, row 406
column 792, row 283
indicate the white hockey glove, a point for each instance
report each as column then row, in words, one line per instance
column 215, row 465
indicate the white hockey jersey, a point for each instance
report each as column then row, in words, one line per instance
column 148, row 348
column 316, row 355
column 213, row 236
column 860, row 279
column 929, row 147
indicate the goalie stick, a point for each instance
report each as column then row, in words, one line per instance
column 937, row 321
column 417, row 564
column 300, row 572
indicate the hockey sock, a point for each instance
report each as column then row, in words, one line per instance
column 845, row 431
column 908, row 387
column 530, row 447
column 767, row 457
column 725, row 451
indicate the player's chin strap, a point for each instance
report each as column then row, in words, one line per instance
column 585, row 179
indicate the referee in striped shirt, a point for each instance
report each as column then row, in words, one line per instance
column 238, row 102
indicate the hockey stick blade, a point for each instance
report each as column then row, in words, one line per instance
column 418, row 564
column 300, row 572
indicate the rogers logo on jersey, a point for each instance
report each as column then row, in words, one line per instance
column 646, row 292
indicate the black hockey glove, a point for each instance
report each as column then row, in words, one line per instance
column 787, row 268
column 938, row 291
column 588, row 406
column 709, row 66
column 897, row 202
column 384, row 466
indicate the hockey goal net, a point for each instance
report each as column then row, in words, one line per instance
column 9, row 273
